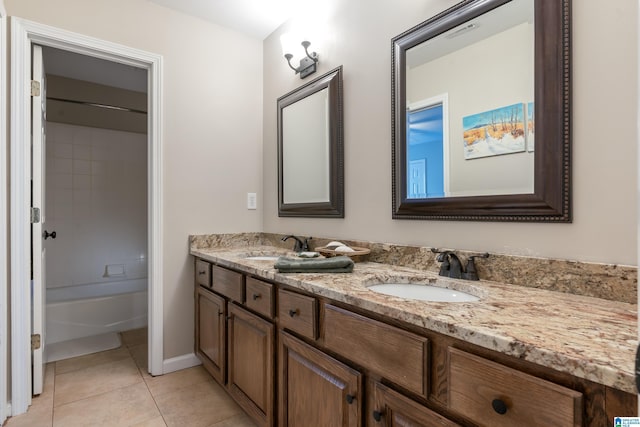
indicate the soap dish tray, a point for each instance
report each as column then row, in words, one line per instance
column 358, row 254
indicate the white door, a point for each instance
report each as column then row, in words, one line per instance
column 417, row 179
column 38, row 230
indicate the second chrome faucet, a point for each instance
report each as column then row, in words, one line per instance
column 452, row 266
column 301, row 244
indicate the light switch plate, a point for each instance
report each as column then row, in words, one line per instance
column 252, row 201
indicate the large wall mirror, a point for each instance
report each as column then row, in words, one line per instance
column 310, row 149
column 480, row 120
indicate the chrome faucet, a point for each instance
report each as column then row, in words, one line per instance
column 452, row 266
column 300, row 245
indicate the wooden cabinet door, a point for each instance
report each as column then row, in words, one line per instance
column 251, row 367
column 315, row 389
column 392, row 409
column 211, row 332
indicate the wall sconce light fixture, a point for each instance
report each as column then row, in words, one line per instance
column 307, row 63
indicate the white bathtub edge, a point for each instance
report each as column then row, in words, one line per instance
column 180, row 362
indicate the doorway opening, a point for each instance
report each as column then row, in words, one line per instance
column 428, row 149
column 96, row 203
column 25, row 35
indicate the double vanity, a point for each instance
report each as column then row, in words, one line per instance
column 324, row 349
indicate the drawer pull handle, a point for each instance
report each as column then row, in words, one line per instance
column 256, row 296
column 292, row 313
column 202, row 273
column 499, row 406
column 350, row 398
column 228, row 317
column 377, row 415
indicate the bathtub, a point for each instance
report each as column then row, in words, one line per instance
column 74, row 312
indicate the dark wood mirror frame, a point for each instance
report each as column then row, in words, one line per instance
column 551, row 199
column 334, row 208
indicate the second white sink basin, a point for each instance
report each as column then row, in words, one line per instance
column 423, row 292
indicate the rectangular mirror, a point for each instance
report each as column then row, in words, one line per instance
column 468, row 142
column 310, row 149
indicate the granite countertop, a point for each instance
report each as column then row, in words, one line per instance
column 588, row 337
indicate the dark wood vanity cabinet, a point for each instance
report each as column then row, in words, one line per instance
column 251, row 363
column 316, row 390
column 211, row 311
column 292, row 359
column 234, row 341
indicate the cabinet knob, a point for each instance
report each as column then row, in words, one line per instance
column 499, row 406
column 377, row 415
column 293, row 312
column 256, row 296
column 350, row 398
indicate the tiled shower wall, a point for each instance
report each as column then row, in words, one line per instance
column 96, row 201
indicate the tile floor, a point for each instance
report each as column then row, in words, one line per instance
column 113, row 388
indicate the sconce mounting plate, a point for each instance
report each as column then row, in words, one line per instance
column 307, row 67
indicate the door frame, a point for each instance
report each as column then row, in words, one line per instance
column 4, row 331
column 24, row 33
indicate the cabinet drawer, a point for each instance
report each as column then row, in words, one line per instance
column 228, row 283
column 493, row 395
column 399, row 410
column 259, row 296
column 203, row 273
column 395, row 354
column 298, row 313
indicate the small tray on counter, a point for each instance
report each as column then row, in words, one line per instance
column 358, row 254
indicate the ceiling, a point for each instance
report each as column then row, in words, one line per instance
column 255, row 18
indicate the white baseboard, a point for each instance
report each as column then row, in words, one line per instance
column 181, row 362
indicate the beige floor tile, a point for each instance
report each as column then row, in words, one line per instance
column 240, row 420
column 175, row 381
column 156, row 422
column 82, row 362
column 140, row 354
column 46, row 398
column 125, row 406
column 35, row 416
column 95, row 380
column 198, row 405
column 134, row 336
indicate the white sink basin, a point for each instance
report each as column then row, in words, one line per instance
column 423, row 292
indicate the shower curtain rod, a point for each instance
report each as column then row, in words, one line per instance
column 95, row 104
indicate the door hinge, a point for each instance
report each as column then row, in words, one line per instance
column 35, row 342
column 35, row 88
column 35, row 215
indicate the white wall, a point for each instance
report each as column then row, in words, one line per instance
column 212, row 127
column 358, row 35
column 96, row 201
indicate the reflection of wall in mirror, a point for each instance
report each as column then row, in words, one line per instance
column 492, row 73
column 305, row 149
